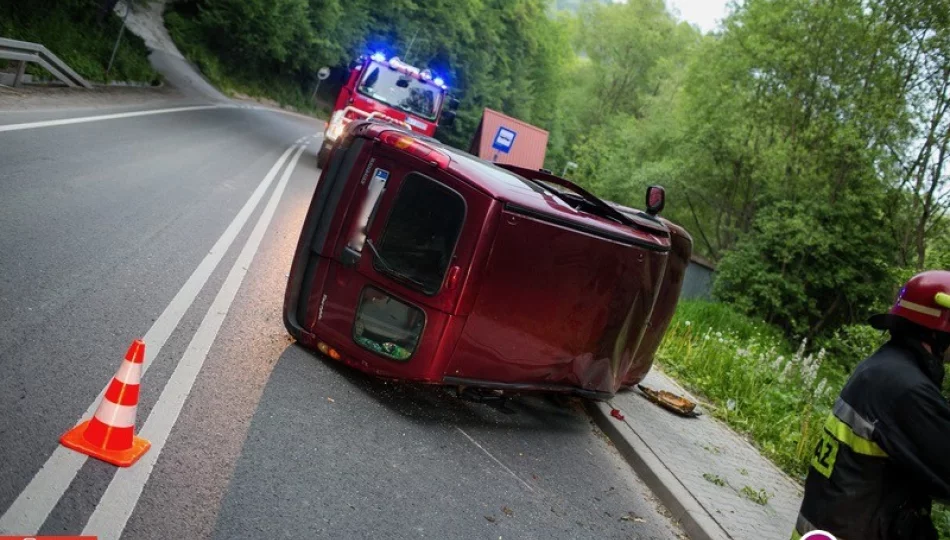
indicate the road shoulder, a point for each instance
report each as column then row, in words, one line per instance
column 703, row 472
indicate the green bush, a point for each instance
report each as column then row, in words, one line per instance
column 851, row 344
column 808, row 268
column 70, row 30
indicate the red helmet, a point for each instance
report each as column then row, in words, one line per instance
column 924, row 300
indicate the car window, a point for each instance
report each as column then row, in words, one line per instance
column 420, row 234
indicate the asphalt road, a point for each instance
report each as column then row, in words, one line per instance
column 143, row 226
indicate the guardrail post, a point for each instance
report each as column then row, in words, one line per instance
column 20, row 70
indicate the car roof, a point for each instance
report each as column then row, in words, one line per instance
column 526, row 195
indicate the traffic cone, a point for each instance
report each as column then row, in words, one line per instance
column 110, row 434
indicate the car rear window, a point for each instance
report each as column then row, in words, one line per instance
column 420, row 235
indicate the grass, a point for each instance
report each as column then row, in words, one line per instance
column 760, row 497
column 714, row 479
column 283, row 92
column 759, row 384
column 69, row 29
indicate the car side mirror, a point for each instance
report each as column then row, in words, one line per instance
column 448, row 119
column 656, row 200
column 453, row 104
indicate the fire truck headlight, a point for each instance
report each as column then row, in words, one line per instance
column 335, row 127
column 334, row 132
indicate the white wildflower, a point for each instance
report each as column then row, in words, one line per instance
column 787, row 372
column 687, row 323
column 810, row 365
column 800, row 354
column 778, row 363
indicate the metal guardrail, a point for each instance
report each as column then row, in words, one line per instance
column 24, row 51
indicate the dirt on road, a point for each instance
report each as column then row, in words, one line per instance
column 33, row 98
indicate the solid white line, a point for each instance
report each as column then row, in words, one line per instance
column 34, row 504
column 84, row 119
column 119, row 501
column 496, row 460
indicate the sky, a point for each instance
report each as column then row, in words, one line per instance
column 704, row 13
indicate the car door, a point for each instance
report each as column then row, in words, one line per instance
column 392, row 278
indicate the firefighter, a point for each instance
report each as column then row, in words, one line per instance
column 884, row 453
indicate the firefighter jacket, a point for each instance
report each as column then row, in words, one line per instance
column 884, row 452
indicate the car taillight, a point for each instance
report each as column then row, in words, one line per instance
column 418, row 149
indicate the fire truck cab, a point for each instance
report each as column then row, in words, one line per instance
column 391, row 90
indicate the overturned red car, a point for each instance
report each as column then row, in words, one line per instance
column 420, row 262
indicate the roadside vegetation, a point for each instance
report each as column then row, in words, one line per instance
column 762, row 385
column 231, row 78
column 81, row 34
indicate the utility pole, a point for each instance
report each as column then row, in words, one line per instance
column 115, row 48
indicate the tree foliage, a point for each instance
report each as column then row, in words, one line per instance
column 803, row 146
column 506, row 55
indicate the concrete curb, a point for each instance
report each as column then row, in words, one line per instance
column 697, row 523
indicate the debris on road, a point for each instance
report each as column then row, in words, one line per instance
column 490, row 519
column 630, row 516
column 508, row 511
column 616, row 414
column 670, row 401
column 331, row 400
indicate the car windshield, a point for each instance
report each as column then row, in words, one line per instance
column 402, row 91
column 420, row 235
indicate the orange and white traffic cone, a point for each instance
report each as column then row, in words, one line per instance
column 110, row 434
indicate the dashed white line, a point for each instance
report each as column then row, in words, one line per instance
column 119, row 501
column 34, row 504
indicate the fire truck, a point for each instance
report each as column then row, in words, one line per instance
column 391, row 90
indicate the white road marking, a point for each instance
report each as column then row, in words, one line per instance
column 31, row 508
column 496, row 460
column 85, row 119
column 119, row 501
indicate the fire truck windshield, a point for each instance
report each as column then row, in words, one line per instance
column 404, row 92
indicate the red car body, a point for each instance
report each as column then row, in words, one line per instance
column 420, row 262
